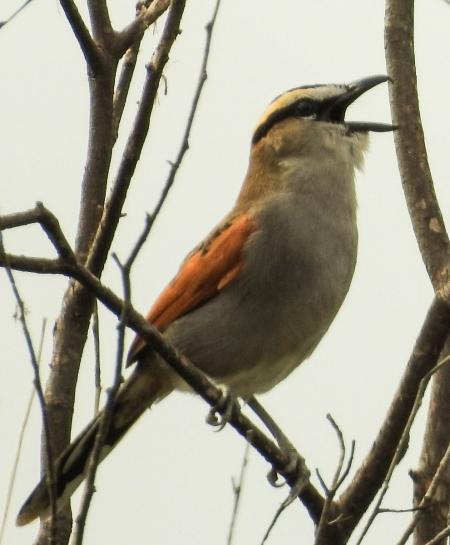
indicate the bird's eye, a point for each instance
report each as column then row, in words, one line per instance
column 305, row 108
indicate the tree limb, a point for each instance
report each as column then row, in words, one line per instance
column 409, row 140
column 199, row 381
column 431, row 236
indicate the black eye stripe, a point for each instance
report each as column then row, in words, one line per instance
column 283, row 113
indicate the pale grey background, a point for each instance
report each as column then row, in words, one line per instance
column 169, row 482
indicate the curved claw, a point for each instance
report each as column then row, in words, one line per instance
column 220, row 414
column 273, row 478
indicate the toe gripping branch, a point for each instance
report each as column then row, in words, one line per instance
column 220, row 415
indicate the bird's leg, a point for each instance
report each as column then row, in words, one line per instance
column 221, row 413
column 296, row 463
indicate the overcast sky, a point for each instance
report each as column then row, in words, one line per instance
column 170, row 480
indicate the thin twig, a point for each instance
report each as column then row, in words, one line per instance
column 383, row 510
column 107, row 412
column 49, row 224
column 429, row 495
column 23, row 428
column 340, row 475
column 237, row 489
column 123, row 85
column 187, row 131
column 49, row 462
column 97, row 371
column 14, row 14
column 127, row 71
column 402, row 444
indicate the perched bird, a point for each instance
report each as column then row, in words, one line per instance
column 254, row 299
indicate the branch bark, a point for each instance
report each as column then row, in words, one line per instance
column 409, row 140
column 432, row 239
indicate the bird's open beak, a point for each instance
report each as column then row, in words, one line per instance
column 338, row 106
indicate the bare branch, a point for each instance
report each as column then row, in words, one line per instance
column 185, row 140
column 107, row 413
column 49, row 462
column 123, row 85
column 15, row 13
column 430, row 233
column 412, row 158
column 435, row 442
column 135, row 30
column 329, row 509
column 39, row 265
column 370, row 476
column 133, row 148
column 237, row 489
column 73, row 321
column 82, row 34
column 401, row 447
column 429, row 497
column 49, row 223
column 97, row 366
column 21, row 438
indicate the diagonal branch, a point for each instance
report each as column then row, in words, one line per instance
column 48, row 222
column 371, row 474
column 123, row 85
column 187, row 131
column 15, row 13
column 278, row 459
column 431, row 495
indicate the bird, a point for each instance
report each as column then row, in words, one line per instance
column 255, row 297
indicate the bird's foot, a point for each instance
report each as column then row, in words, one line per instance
column 221, row 413
column 295, row 464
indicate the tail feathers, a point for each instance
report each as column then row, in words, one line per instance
column 137, row 394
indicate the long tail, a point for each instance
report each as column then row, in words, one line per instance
column 138, row 393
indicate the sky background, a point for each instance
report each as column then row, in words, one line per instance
column 170, row 480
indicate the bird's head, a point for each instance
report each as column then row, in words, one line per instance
column 311, row 119
column 304, row 140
